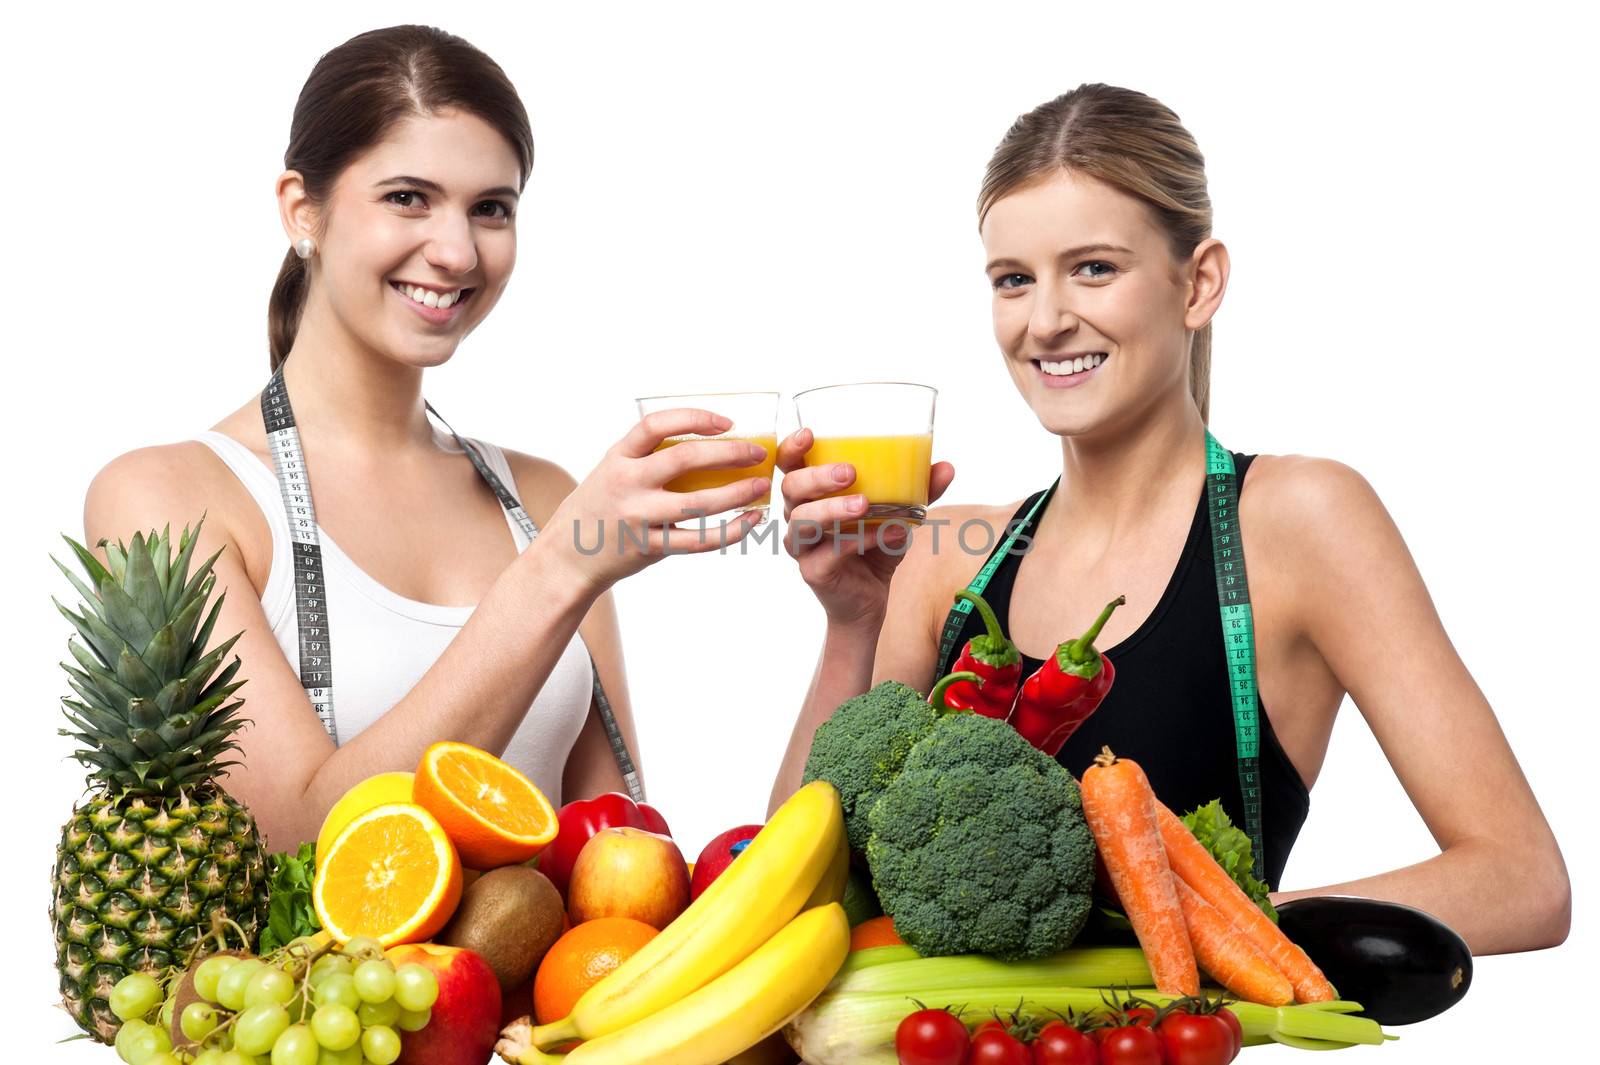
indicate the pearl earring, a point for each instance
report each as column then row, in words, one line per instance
column 305, row 247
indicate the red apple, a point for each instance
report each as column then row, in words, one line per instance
column 718, row 853
column 466, row 1018
column 627, row 872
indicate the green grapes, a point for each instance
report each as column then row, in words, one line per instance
column 208, row 972
column 134, row 996
column 234, row 982
column 296, row 1046
column 198, row 1020
column 414, row 1020
column 374, row 981
column 375, row 1014
column 380, row 1045
column 415, row 987
column 269, row 985
column 258, row 1027
column 336, row 1027
column 337, row 990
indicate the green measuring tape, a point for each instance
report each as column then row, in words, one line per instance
column 1238, row 628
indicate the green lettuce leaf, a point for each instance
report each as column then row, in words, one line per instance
column 290, row 914
column 1230, row 846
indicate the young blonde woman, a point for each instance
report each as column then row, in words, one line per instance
column 1096, row 229
column 407, row 155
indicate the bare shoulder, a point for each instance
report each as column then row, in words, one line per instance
column 1313, row 527
column 541, row 484
column 154, row 486
column 1297, row 494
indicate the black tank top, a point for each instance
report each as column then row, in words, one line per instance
column 1169, row 708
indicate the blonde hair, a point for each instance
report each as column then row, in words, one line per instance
column 1133, row 143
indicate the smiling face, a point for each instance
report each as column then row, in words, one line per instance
column 1092, row 311
column 418, row 238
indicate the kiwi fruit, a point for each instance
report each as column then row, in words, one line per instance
column 510, row 916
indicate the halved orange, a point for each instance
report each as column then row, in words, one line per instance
column 391, row 874
column 493, row 814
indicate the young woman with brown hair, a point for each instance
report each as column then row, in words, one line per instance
column 1096, row 227
column 407, row 154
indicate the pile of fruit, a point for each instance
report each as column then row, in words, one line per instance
column 312, row 1001
column 451, row 913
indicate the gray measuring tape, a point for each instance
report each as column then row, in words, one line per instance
column 1238, row 629
column 310, row 586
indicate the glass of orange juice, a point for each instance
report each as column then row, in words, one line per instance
column 755, row 418
column 885, row 430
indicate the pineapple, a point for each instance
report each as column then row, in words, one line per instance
column 157, row 850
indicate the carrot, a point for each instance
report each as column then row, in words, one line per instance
column 1228, row 955
column 1121, row 811
column 1193, row 864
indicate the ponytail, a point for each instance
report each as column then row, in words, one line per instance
column 284, row 309
column 1200, row 371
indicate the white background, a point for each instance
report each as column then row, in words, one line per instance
column 728, row 197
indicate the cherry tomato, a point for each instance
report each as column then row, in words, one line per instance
column 996, row 1046
column 1196, row 1039
column 1231, row 1019
column 1062, row 1044
column 992, row 1024
column 1140, row 1016
column 1130, row 1046
column 931, row 1037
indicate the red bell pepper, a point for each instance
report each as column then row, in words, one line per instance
column 580, row 820
column 992, row 657
column 1064, row 691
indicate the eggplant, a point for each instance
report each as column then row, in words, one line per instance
column 1401, row 964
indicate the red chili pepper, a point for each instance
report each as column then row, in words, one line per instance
column 1064, row 691
column 992, row 657
column 940, row 696
column 580, row 820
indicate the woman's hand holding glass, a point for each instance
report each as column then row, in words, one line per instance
column 625, row 507
column 846, row 563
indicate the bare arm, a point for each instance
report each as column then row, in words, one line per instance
column 857, row 586
column 482, row 684
column 1500, row 879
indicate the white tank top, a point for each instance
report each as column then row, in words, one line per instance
column 383, row 642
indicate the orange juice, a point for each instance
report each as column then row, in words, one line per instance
column 890, row 470
column 696, row 480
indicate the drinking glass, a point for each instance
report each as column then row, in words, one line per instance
column 755, row 418
column 885, row 430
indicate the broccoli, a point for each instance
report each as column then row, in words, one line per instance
column 979, row 845
column 861, row 747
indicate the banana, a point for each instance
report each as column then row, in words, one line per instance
column 831, row 887
column 733, row 1012
column 742, row 909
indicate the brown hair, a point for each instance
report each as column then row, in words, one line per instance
column 355, row 95
column 1132, row 142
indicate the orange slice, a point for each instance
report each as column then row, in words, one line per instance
column 391, row 874
column 493, row 814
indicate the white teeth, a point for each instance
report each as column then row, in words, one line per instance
column 1068, row 367
column 429, row 298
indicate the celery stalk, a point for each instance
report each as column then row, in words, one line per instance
column 858, row 1028
column 871, row 957
column 1079, row 967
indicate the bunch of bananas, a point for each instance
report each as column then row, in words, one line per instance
column 742, row 961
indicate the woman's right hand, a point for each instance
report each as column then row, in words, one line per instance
column 848, row 572
column 618, row 520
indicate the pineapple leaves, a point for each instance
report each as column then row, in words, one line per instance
column 178, row 578
column 162, row 655
column 136, row 676
column 105, row 643
column 123, row 616
column 91, row 565
column 142, row 585
column 161, row 560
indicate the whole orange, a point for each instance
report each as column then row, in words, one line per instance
column 581, row 958
column 878, row 932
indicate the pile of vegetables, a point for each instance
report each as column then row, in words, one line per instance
column 858, row 1019
column 975, row 839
